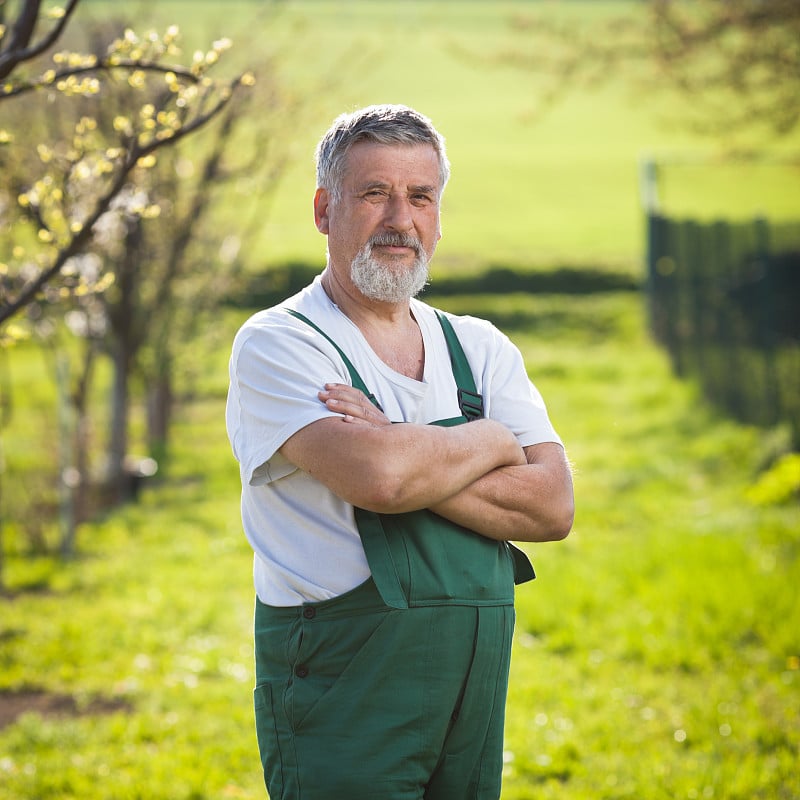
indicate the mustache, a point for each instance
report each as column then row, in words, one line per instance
column 388, row 239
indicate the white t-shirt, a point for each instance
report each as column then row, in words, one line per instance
column 304, row 537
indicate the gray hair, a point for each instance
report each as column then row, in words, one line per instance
column 382, row 124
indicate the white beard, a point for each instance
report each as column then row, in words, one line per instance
column 380, row 282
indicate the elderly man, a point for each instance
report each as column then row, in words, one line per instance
column 383, row 566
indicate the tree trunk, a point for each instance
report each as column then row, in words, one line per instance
column 66, row 437
column 159, row 413
column 118, row 441
column 126, row 341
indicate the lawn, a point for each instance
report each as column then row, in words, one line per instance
column 527, row 190
column 656, row 656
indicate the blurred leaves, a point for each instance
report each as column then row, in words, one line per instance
column 778, row 485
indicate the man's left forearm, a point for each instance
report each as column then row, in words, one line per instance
column 532, row 503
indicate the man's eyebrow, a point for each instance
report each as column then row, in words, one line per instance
column 414, row 189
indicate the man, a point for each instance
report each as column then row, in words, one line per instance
column 383, row 569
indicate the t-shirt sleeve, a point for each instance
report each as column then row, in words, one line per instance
column 277, row 367
column 509, row 394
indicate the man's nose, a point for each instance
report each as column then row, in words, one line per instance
column 398, row 213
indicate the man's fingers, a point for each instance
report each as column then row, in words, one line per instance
column 351, row 402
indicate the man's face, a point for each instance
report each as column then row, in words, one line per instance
column 383, row 230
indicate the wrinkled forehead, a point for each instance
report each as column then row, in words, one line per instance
column 410, row 164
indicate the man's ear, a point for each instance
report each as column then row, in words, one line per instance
column 321, row 205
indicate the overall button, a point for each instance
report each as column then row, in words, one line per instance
column 301, row 670
column 309, row 612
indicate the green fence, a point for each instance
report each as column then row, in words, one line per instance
column 724, row 299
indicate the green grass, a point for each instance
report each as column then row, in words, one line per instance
column 656, row 656
column 526, row 190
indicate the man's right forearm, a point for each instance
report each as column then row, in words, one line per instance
column 405, row 467
column 443, row 461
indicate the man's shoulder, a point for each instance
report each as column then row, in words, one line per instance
column 277, row 317
column 264, row 323
column 466, row 325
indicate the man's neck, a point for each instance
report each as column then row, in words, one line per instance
column 389, row 328
column 364, row 311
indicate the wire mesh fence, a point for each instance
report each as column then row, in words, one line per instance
column 724, row 300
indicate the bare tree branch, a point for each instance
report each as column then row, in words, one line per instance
column 79, row 240
column 18, row 51
column 101, row 65
column 737, row 62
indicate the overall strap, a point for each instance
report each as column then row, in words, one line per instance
column 354, row 376
column 376, row 546
column 471, row 405
column 469, row 401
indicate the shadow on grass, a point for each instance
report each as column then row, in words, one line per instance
column 15, row 703
column 543, row 322
column 37, row 586
column 558, row 280
column 276, row 284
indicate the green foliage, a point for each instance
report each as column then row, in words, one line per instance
column 779, row 484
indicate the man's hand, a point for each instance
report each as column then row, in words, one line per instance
column 353, row 404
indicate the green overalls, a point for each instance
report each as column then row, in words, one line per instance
column 395, row 690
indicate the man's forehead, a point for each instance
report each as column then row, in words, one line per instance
column 367, row 160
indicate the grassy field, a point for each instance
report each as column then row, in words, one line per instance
column 656, row 656
column 526, row 190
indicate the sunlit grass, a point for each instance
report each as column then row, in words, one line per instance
column 527, row 189
column 656, row 654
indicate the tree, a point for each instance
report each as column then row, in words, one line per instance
column 738, row 61
column 80, row 179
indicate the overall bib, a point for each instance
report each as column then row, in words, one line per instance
column 397, row 688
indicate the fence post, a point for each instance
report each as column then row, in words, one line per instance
column 765, row 334
column 648, row 185
column 658, row 286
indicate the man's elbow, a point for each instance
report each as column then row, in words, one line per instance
column 558, row 524
column 385, row 492
column 562, row 524
column 563, row 515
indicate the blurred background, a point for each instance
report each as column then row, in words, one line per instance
column 624, row 203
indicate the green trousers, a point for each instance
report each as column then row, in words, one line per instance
column 359, row 701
